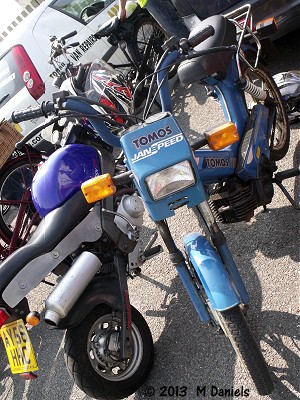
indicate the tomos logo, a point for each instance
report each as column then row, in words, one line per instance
column 216, row 162
column 152, row 137
column 155, row 147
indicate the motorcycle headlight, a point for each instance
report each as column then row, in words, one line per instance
column 170, row 180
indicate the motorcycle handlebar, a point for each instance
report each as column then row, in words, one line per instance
column 198, row 38
column 68, row 35
column 75, row 44
column 46, row 108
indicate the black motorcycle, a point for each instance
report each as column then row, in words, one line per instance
column 92, row 247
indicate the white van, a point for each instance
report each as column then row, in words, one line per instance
column 25, row 75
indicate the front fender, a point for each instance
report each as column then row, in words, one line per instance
column 211, row 272
column 101, row 290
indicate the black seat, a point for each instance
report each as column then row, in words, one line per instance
column 108, row 27
column 52, row 229
column 213, row 64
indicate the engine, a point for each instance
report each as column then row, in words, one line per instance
column 236, row 200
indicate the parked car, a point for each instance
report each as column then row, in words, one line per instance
column 285, row 12
column 25, row 75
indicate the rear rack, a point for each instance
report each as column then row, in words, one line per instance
column 243, row 20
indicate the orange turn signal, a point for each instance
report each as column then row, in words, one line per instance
column 98, row 188
column 222, row 136
column 33, row 318
column 266, row 27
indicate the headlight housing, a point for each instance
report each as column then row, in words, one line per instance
column 170, row 180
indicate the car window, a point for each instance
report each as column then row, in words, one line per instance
column 11, row 81
column 82, row 10
column 205, row 9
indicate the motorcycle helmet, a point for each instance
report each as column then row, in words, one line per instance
column 288, row 83
column 104, row 86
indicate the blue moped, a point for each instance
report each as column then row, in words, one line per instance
column 168, row 173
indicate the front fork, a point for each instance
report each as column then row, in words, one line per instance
column 220, row 243
column 216, row 270
column 125, row 334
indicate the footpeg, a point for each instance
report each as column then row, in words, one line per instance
column 150, row 253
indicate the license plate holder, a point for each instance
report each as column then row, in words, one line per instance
column 18, row 347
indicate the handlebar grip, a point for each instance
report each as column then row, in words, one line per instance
column 33, row 112
column 198, row 38
column 68, row 35
column 75, row 44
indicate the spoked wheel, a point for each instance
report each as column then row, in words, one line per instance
column 143, row 31
column 281, row 130
column 92, row 354
column 145, row 50
column 18, row 217
column 238, row 332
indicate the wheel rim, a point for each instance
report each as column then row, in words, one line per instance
column 102, row 348
column 145, row 32
column 14, row 190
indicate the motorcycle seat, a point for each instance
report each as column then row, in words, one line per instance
column 52, row 229
column 108, row 27
column 212, row 64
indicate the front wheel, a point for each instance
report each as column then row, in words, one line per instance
column 238, row 332
column 91, row 354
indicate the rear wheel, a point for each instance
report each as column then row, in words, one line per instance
column 238, row 331
column 92, row 354
column 280, row 139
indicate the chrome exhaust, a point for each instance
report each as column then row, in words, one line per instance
column 70, row 288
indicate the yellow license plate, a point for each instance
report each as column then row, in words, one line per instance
column 18, row 347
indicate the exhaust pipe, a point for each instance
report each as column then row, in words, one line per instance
column 70, row 288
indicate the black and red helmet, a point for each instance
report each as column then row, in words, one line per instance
column 104, row 86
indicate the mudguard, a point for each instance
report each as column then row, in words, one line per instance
column 211, row 272
column 101, row 290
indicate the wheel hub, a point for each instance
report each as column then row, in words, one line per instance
column 107, row 347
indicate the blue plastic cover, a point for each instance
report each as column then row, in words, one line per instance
column 153, row 146
column 62, row 174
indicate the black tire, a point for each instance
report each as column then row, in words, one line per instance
column 88, row 367
column 281, row 138
column 14, row 181
column 239, row 333
column 143, row 29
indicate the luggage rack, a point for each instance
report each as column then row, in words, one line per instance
column 243, row 20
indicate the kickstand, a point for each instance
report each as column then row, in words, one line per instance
column 280, row 176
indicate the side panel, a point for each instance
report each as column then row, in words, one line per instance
column 36, row 270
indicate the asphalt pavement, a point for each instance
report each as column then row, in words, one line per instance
column 191, row 359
